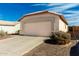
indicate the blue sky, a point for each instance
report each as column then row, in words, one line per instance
column 14, row 11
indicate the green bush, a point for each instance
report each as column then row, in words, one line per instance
column 60, row 37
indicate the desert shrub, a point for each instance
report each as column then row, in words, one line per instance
column 60, row 37
column 17, row 32
column 2, row 33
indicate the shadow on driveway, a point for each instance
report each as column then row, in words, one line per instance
column 74, row 51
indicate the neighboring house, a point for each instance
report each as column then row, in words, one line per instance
column 9, row 27
column 42, row 23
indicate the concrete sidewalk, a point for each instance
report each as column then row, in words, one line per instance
column 19, row 45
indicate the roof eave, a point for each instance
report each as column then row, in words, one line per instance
column 61, row 17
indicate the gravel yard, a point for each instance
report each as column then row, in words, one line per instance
column 51, row 50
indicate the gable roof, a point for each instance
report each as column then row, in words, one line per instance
column 36, row 13
column 63, row 19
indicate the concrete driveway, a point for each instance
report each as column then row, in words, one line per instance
column 19, row 45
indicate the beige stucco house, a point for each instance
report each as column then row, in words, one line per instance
column 9, row 27
column 42, row 23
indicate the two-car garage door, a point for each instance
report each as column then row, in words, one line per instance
column 37, row 28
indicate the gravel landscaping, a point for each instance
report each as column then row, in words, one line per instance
column 46, row 49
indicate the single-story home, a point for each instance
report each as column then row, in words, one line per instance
column 42, row 23
column 9, row 27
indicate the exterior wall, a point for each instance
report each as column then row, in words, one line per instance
column 56, row 23
column 40, row 23
column 17, row 27
column 37, row 18
column 62, row 26
column 21, row 28
column 10, row 29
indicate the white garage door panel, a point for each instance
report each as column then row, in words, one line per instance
column 38, row 28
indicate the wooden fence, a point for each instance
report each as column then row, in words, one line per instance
column 74, row 30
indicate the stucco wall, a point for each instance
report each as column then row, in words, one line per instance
column 10, row 29
column 63, row 26
column 37, row 19
column 17, row 26
column 56, row 23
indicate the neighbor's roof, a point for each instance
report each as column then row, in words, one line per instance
column 7, row 23
column 41, row 12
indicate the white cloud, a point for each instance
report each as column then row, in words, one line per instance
column 72, row 12
column 62, row 7
column 72, row 17
column 48, row 4
column 74, row 23
column 40, row 4
column 55, row 4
